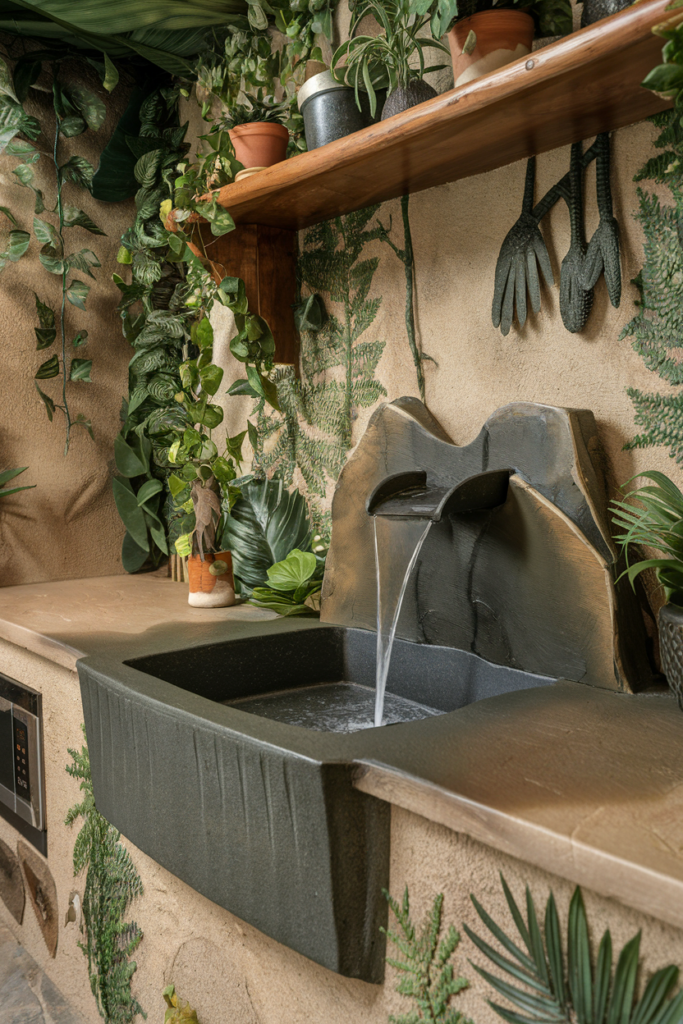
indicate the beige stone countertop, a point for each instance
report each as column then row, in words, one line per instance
column 583, row 782
column 70, row 619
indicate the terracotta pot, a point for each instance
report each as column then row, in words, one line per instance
column 206, row 589
column 502, row 36
column 260, row 144
column 671, row 648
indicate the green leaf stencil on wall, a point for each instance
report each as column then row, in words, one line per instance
column 313, row 432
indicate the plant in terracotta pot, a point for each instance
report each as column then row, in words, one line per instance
column 484, row 35
column 258, row 132
column 393, row 60
column 656, row 522
column 201, row 484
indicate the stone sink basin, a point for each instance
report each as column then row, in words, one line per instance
column 232, row 765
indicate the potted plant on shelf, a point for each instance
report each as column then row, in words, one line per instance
column 393, row 60
column 484, row 35
column 657, row 522
column 258, row 132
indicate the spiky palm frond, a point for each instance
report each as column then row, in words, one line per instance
column 548, row 983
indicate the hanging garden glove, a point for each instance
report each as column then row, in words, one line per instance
column 576, row 301
column 603, row 249
column 516, row 269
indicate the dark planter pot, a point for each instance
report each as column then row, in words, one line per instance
column 330, row 112
column 402, row 99
column 671, row 648
column 596, row 10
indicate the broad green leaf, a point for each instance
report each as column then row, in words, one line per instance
column 80, row 339
column 295, row 569
column 211, row 416
column 176, row 485
column 266, row 523
column 90, row 106
column 132, row 515
column 25, row 173
column 47, row 402
column 83, row 261
column 210, row 379
column 8, row 213
column 148, row 490
column 18, row 244
column 19, row 147
column 73, row 217
column 130, row 461
column 13, row 120
column 77, row 293
column 48, row 369
column 262, row 386
column 45, row 233
column 202, row 333
column 183, row 545
column 223, row 470
column 233, row 446
column 80, row 370
column 133, row 557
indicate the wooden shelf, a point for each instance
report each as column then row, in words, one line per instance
column 587, row 83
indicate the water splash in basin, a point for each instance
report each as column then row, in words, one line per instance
column 397, row 545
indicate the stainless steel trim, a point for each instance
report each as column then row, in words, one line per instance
column 34, row 807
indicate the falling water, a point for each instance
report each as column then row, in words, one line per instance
column 397, row 546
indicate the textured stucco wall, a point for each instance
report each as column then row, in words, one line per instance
column 231, row 972
column 68, row 526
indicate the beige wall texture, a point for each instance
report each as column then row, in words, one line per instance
column 68, row 526
column 232, row 973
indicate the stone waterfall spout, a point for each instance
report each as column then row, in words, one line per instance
column 407, row 495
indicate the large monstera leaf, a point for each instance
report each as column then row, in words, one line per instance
column 265, row 524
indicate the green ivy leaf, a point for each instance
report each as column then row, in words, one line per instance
column 263, row 387
column 202, row 333
column 48, row 369
column 6, row 86
column 111, row 74
column 72, row 126
column 51, row 261
column 233, row 446
column 80, row 370
column 210, row 379
column 175, row 485
column 90, row 106
column 211, row 417
column 45, row 233
column 18, row 244
column 80, row 339
column 47, row 402
column 83, row 261
column 81, row 421
column 77, row 293
column 8, row 213
column 46, row 316
column 75, row 218
column 78, row 171
column 45, row 336
column 223, row 470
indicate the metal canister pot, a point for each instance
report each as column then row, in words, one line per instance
column 330, row 112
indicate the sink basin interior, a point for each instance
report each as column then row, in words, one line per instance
column 332, row 707
column 324, row 678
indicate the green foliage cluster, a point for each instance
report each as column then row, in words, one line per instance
column 266, row 522
column 111, row 883
column 294, row 585
column 391, row 59
column 565, row 987
column 426, row 975
column 312, row 432
column 657, row 329
column 9, row 474
column 657, row 522
column 667, row 77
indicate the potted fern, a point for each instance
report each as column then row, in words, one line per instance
column 393, row 60
column 257, row 131
column 656, row 521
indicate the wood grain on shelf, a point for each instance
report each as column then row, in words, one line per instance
column 587, row 83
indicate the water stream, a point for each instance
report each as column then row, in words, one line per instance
column 397, row 546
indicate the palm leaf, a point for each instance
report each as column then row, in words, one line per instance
column 580, row 989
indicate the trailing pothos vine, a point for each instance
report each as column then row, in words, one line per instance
column 76, row 110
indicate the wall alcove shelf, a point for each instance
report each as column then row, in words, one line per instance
column 587, row 83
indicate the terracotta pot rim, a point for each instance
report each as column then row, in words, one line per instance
column 506, row 14
column 259, row 128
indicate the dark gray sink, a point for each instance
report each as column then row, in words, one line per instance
column 197, row 758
